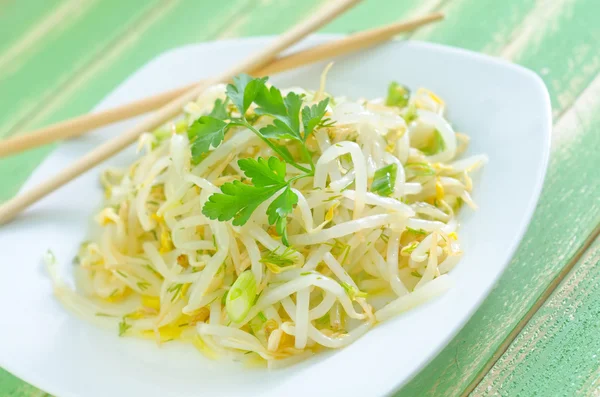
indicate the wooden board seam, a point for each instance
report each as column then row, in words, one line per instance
column 532, row 311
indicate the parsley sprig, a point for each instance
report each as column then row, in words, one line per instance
column 209, row 131
column 237, row 199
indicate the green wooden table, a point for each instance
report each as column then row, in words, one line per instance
column 538, row 333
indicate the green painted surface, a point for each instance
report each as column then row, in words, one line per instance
column 558, row 352
column 50, row 62
column 143, row 39
column 484, row 26
column 557, row 39
column 16, row 21
column 11, row 386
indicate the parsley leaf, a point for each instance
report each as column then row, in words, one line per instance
column 279, row 210
column 244, row 90
column 278, row 130
column 264, row 172
column 312, row 116
column 285, row 153
column 205, row 132
column 270, row 101
column 286, row 112
column 237, row 201
column 384, row 180
column 219, row 110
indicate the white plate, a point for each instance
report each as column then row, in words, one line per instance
column 504, row 108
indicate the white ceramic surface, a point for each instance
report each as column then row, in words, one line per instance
column 504, row 108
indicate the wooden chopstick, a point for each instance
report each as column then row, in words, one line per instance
column 79, row 125
column 14, row 206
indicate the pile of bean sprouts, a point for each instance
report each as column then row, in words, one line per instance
column 159, row 269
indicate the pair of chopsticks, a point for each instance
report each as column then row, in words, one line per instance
column 79, row 125
column 170, row 103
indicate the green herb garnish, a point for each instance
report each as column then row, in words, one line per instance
column 238, row 200
column 420, row 232
column 384, row 180
column 410, row 114
column 100, row 314
column 175, row 290
column 437, row 145
column 409, row 248
column 150, row 268
column 278, row 262
column 123, row 327
column 241, row 296
column 352, row 292
column 414, row 170
column 398, row 95
column 143, row 285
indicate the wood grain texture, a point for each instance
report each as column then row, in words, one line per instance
column 581, row 118
column 186, row 21
column 11, row 386
column 556, row 38
column 377, row 12
column 558, row 352
column 17, row 21
column 78, row 31
column 274, row 16
column 563, row 210
column 141, row 40
column 484, row 26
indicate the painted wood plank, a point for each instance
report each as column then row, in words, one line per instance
column 484, row 26
column 268, row 17
column 140, row 41
column 371, row 13
column 276, row 16
column 564, row 210
column 49, row 59
column 11, row 386
column 572, row 126
column 16, row 20
column 558, row 352
column 186, row 21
